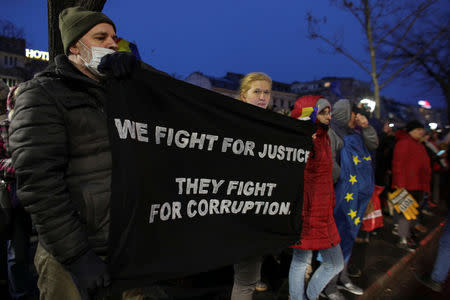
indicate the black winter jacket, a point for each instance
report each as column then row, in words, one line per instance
column 61, row 154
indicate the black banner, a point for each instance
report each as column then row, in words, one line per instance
column 200, row 180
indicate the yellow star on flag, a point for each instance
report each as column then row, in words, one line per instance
column 353, row 179
column 352, row 213
column 368, row 158
column 349, row 197
column 357, row 221
column 356, row 160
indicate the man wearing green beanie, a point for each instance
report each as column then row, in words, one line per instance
column 61, row 154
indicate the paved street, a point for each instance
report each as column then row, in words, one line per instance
column 387, row 271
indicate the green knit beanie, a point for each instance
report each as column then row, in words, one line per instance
column 74, row 22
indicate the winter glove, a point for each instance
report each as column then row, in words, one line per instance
column 404, row 203
column 89, row 272
column 118, row 64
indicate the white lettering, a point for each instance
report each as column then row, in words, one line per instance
column 284, row 208
column 153, row 212
column 141, row 130
column 127, row 127
column 191, row 213
column 273, row 208
column 248, row 205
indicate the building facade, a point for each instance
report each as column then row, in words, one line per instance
column 332, row 88
column 17, row 63
column 282, row 99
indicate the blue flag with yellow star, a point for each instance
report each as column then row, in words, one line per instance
column 353, row 190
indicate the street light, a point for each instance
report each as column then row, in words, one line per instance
column 391, row 125
column 424, row 104
column 433, row 126
column 370, row 103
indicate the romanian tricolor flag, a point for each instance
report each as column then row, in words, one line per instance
column 305, row 108
column 308, row 113
column 127, row 46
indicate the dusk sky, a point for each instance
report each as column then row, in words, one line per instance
column 215, row 37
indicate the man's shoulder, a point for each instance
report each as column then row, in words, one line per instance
column 406, row 145
column 334, row 137
column 39, row 90
column 331, row 132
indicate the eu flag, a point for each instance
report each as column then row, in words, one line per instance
column 353, row 190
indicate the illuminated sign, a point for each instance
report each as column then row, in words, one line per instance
column 425, row 104
column 36, row 54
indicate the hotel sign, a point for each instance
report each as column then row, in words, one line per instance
column 36, row 54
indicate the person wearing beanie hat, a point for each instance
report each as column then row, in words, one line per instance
column 308, row 107
column 354, row 183
column 74, row 22
column 62, row 158
column 319, row 231
column 90, row 42
column 411, row 169
column 410, row 126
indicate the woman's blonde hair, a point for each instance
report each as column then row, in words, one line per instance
column 248, row 79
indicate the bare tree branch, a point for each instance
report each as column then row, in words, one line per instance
column 406, row 64
column 376, row 17
column 8, row 29
column 421, row 8
column 350, row 8
column 342, row 51
column 399, row 41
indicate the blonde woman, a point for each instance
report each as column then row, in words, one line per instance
column 255, row 89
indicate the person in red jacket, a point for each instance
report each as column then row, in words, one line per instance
column 319, row 231
column 410, row 170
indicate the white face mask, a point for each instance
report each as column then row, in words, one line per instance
column 97, row 53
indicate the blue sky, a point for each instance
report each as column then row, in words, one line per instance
column 215, row 37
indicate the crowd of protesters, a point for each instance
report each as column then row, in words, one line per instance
column 54, row 154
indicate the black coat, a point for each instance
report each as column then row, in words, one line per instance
column 61, row 154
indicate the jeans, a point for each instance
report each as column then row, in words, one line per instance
column 442, row 263
column 246, row 274
column 22, row 278
column 22, row 282
column 332, row 264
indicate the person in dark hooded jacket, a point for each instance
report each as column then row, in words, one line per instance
column 62, row 158
column 319, row 231
column 351, row 138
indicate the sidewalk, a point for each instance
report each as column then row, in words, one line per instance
column 385, row 262
column 383, row 266
column 380, row 261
